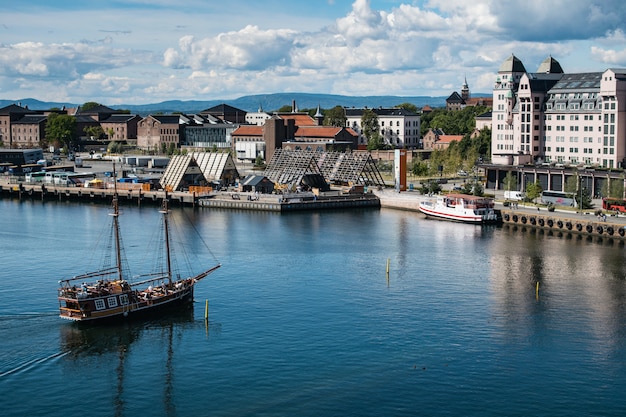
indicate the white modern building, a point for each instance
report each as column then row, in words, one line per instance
column 550, row 117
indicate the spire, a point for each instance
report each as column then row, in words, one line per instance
column 319, row 116
column 465, row 92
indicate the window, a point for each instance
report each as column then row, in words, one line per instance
column 112, row 302
column 124, row 299
column 100, row 304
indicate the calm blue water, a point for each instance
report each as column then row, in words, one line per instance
column 303, row 322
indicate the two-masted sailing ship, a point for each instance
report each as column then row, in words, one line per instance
column 109, row 294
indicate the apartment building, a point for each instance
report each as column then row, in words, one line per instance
column 9, row 115
column 291, row 130
column 156, row 131
column 556, row 118
column 399, row 128
column 120, row 127
column 29, row 131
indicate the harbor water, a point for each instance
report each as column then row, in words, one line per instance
column 305, row 320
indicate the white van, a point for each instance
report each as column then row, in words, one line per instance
column 514, row 195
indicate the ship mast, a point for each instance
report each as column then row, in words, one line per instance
column 166, row 230
column 116, row 228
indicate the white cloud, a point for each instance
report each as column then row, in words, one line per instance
column 414, row 48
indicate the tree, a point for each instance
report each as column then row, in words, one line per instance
column 430, row 187
column 60, row 129
column 571, row 185
column 534, row 190
column 613, row 188
column 473, row 187
column 419, row 167
column 94, row 131
column 369, row 126
column 375, row 141
column 259, row 162
column 510, row 182
column 89, row 106
column 408, row 106
column 115, row 147
column 335, row 117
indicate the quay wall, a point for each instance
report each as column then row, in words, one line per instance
column 220, row 200
column 567, row 223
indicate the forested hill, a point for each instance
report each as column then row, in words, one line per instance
column 267, row 102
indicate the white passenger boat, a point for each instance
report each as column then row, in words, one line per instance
column 460, row 208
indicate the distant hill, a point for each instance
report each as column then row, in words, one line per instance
column 268, row 102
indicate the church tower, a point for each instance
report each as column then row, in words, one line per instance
column 465, row 92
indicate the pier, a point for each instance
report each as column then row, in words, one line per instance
column 225, row 200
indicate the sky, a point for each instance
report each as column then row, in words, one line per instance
column 148, row 51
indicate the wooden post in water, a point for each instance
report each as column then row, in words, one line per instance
column 206, row 310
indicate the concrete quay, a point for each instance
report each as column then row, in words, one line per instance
column 558, row 221
column 224, row 200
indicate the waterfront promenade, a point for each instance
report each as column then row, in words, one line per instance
column 559, row 221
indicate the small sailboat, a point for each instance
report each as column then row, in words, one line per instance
column 109, row 294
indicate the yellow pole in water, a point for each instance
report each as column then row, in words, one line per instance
column 537, row 291
column 206, row 310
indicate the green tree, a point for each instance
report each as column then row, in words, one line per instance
column 90, row 105
column 335, row 117
column 534, row 190
column 584, row 202
column 115, row 147
column 571, row 185
column 613, row 188
column 375, row 142
column 473, row 187
column 408, row 106
column 430, row 187
column 60, row 129
column 259, row 162
column 419, row 167
column 369, row 124
column 510, row 182
column 94, row 131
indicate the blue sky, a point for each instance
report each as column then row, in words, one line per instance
column 146, row 51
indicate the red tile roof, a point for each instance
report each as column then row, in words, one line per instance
column 300, row 119
column 317, row 131
column 248, row 130
column 449, row 138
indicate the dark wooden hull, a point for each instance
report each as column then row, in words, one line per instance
column 115, row 310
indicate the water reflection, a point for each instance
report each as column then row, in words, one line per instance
column 112, row 347
column 581, row 283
